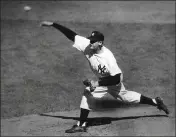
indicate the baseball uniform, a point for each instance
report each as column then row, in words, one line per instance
column 103, row 65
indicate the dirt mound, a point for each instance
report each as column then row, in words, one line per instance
column 133, row 121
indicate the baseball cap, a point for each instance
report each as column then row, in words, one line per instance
column 96, row 36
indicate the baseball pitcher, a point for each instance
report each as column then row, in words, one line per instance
column 110, row 77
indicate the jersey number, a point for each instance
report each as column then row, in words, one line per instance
column 101, row 69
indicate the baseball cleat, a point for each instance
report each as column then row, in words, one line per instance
column 75, row 129
column 161, row 105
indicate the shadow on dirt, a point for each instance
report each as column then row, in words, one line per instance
column 103, row 120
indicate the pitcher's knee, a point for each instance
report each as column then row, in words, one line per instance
column 131, row 97
column 87, row 92
column 84, row 103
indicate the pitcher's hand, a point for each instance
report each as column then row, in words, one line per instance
column 46, row 23
column 91, row 83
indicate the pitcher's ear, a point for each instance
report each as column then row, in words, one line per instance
column 100, row 42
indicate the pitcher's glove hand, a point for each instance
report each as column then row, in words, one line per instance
column 87, row 82
column 90, row 83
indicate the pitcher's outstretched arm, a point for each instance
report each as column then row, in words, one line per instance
column 66, row 31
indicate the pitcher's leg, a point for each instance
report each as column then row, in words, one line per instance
column 84, row 112
column 84, row 103
column 88, row 97
column 158, row 102
column 85, row 108
column 130, row 96
column 135, row 97
column 148, row 101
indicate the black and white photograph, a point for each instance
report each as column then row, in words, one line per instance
column 87, row 68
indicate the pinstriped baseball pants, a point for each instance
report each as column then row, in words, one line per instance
column 118, row 92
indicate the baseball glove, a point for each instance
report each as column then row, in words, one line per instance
column 88, row 83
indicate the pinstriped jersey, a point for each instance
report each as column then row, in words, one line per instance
column 102, row 64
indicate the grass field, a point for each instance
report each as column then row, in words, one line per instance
column 41, row 72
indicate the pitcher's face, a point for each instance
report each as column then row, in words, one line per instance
column 95, row 45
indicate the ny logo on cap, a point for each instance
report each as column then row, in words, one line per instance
column 93, row 34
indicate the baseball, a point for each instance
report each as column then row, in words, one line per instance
column 27, row 8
